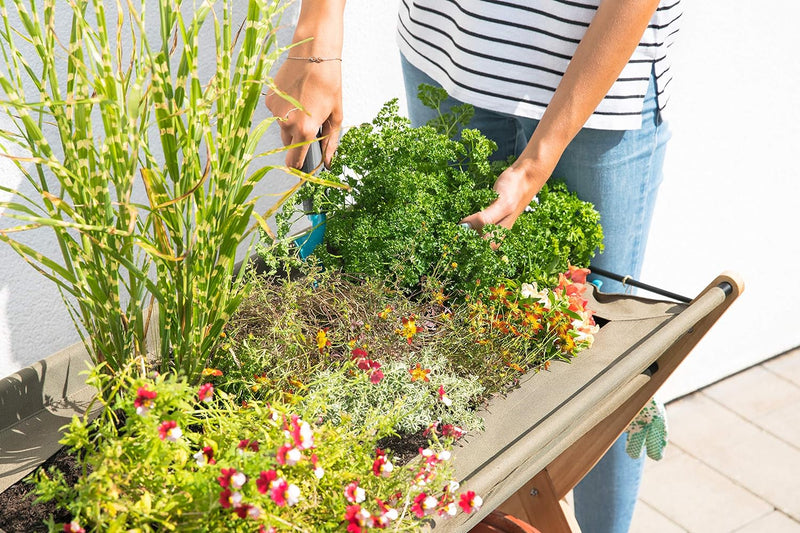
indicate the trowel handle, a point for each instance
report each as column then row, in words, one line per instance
column 313, row 156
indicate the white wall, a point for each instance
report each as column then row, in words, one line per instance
column 728, row 201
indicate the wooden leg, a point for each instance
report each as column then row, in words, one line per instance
column 536, row 503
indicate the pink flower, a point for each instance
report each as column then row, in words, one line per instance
column 170, row 431
column 376, row 376
column 382, row 466
column 144, row 400
column 205, row 392
column 265, row 479
column 469, row 501
column 354, row 493
column 443, row 398
column 74, row 526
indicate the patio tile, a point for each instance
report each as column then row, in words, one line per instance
column 775, row 522
column 754, row 393
column 784, row 423
column 697, row 498
column 648, row 520
column 786, row 365
column 758, row 461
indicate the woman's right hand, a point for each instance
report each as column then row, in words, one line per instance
column 317, row 86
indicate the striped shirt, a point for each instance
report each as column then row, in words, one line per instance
column 509, row 55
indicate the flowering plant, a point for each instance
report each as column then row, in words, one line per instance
column 188, row 453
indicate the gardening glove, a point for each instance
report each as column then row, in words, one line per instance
column 648, row 430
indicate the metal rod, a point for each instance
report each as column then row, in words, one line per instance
column 627, row 280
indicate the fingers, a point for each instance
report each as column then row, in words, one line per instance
column 330, row 139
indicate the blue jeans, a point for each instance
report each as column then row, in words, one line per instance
column 619, row 172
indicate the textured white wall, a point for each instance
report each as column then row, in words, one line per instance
column 727, row 201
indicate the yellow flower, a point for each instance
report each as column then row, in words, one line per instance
column 419, row 373
column 322, row 340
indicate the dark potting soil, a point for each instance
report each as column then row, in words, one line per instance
column 19, row 513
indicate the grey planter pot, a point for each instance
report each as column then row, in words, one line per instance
column 540, row 438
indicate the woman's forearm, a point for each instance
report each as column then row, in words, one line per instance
column 605, row 49
column 321, row 23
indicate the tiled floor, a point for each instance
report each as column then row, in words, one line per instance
column 733, row 463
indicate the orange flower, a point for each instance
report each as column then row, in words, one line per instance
column 418, row 373
column 498, row 293
column 386, row 312
column 577, row 275
column 212, row 372
column 516, row 367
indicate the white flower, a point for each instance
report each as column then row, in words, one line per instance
column 292, row 494
column 443, row 455
column 319, row 472
column 453, row 485
column 200, row 458
column 238, row 480
column 174, row 434
column 451, row 509
column 430, row 503
column 293, row 456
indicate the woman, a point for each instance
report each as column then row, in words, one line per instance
column 575, row 89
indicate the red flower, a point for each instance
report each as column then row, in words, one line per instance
column 382, row 466
column 469, row 501
column 265, row 479
column 225, row 498
column 376, row 376
column 353, row 493
column 419, row 506
column 74, row 527
column 358, row 519
column 577, row 275
column 144, row 400
column 225, row 478
column 246, row 444
column 205, row 392
column 169, row 430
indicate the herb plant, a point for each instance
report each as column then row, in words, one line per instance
column 408, row 190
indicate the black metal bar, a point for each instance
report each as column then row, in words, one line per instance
column 627, row 280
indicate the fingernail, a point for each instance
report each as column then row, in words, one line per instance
column 466, row 225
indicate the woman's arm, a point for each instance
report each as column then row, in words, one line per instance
column 605, row 49
column 316, row 85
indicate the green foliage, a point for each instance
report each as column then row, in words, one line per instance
column 148, row 476
column 408, row 190
column 353, row 395
column 99, row 108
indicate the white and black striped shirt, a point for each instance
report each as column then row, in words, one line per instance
column 509, row 55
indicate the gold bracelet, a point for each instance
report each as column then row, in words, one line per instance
column 314, row 59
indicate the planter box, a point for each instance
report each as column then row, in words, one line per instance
column 544, row 435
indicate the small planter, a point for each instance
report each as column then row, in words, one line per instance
column 540, row 439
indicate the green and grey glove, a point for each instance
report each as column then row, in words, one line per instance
column 648, row 430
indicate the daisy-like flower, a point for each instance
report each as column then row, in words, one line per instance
column 387, row 516
column 205, row 456
column 443, row 397
column 469, row 501
column 212, row 372
column 169, row 430
column 354, row 494
column 144, row 400
column 449, row 510
column 498, row 293
column 381, row 466
column 419, row 373
column 74, row 527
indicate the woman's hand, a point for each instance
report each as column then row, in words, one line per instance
column 316, row 85
column 318, row 88
column 515, row 188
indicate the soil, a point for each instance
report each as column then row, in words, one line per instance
column 19, row 513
